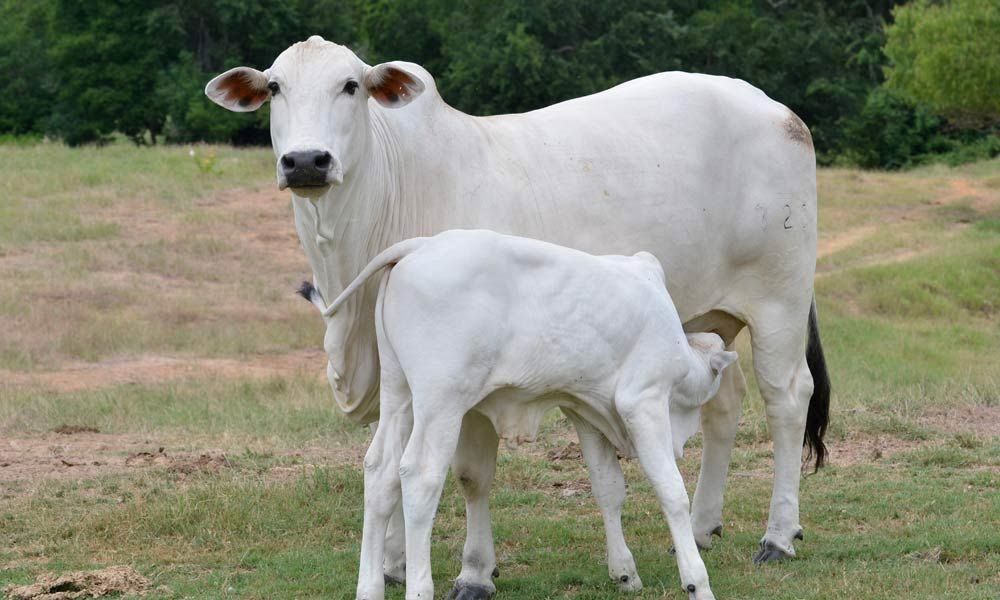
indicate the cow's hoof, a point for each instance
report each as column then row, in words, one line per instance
column 629, row 583
column 770, row 552
column 390, row 580
column 469, row 591
column 704, row 541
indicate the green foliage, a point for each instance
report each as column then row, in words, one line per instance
column 947, row 56
column 138, row 67
column 890, row 132
column 28, row 88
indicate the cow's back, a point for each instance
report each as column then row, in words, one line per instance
column 707, row 173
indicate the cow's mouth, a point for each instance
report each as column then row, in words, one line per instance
column 310, row 191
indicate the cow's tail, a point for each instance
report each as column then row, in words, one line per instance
column 390, row 256
column 818, row 415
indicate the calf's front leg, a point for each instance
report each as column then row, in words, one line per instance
column 608, row 484
column 646, row 418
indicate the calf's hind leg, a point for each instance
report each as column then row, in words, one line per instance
column 422, row 472
column 382, row 491
column 608, row 486
column 647, row 421
column 394, row 564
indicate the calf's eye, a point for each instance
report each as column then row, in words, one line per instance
column 274, row 87
column 350, row 87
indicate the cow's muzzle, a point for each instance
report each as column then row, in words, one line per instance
column 306, row 169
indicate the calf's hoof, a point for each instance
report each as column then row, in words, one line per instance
column 629, row 583
column 470, row 591
column 702, row 593
column 390, row 580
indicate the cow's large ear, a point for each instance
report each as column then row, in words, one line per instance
column 392, row 86
column 240, row 90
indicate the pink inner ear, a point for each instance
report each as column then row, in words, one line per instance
column 239, row 88
column 394, row 84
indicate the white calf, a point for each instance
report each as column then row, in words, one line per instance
column 512, row 327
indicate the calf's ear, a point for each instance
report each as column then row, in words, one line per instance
column 240, row 90
column 392, row 86
column 721, row 360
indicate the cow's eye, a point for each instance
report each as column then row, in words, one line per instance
column 274, row 87
column 350, row 87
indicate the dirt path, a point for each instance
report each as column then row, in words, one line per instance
column 149, row 370
column 960, row 190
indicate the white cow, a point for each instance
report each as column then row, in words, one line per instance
column 707, row 173
column 511, row 327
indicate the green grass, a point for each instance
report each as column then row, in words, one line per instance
column 121, row 253
column 905, row 533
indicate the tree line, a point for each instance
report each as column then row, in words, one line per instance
column 877, row 81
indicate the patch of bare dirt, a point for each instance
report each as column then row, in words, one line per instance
column 980, row 199
column 570, row 451
column 832, row 244
column 26, row 461
column 867, row 450
column 82, row 584
column 159, row 369
column 568, row 489
column 71, row 429
column 977, row 421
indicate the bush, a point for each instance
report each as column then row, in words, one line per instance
column 890, row 132
column 947, row 57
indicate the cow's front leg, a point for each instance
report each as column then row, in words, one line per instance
column 647, row 421
column 382, row 497
column 474, row 466
column 720, row 419
column 608, row 485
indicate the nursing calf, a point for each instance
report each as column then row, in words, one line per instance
column 511, row 327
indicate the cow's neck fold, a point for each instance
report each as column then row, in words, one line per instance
column 355, row 221
column 340, row 232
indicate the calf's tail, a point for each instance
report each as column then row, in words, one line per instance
column 390, row 256
column 818, row 415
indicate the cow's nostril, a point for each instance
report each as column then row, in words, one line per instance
column 288, row 162
column 322, row 161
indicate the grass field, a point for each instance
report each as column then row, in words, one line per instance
column 149, row 302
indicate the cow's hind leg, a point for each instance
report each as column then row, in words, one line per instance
column 646, row 417
column 720, row 418
column 786, row 386
column 474, row 466
column 608, row 485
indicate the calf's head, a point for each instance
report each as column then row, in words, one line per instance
column 320, row 120
column 708, row 358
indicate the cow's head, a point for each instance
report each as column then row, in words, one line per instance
column 319, row 95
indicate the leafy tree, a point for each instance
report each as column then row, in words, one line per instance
column 107, row 57
column 948, row 56
column 29, row 87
